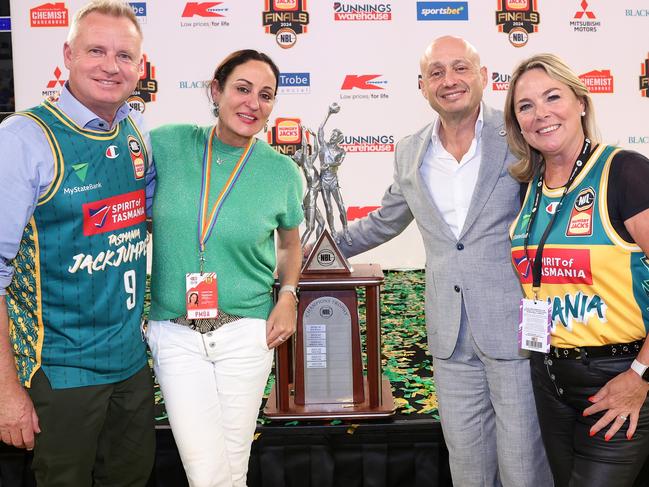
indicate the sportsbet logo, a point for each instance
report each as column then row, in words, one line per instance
column 113, row 213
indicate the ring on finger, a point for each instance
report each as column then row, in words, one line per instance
column 622, row 417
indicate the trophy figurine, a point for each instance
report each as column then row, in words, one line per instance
column 331, row 157
column 305, row 158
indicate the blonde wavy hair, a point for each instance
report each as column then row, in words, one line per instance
column 557, row 69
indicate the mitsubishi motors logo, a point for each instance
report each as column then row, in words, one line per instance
column 588, row 13
column 51, row 91
column 585, row 19
column 57, row 79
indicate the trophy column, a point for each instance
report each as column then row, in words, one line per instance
column 319, row 371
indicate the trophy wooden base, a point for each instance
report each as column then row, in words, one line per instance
column 332, row 411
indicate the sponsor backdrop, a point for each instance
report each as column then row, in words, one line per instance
column 363, row 55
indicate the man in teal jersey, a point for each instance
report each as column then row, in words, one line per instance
column 74, row 377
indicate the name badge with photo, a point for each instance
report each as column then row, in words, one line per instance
column 201, row 296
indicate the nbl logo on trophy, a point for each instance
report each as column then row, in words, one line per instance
column 286, row 19
column 518, row 19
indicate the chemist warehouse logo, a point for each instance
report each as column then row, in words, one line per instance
column 49, row 15
column 286, row 19
column 442, row 11
column 518, row 19
column 353, row 11
column 286, row 135
column 368, row 143
column 294, row 83
column 598, row 81
column 113, row 213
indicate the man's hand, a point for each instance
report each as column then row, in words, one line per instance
column 18, row 419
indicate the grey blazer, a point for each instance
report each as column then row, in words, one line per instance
column 474, row 269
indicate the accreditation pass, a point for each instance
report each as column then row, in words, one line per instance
column 534, row 327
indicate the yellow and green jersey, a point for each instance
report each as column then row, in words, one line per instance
column 596, row 281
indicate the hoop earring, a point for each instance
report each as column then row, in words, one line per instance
column 215, row 109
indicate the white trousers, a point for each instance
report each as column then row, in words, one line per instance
column 212, row 386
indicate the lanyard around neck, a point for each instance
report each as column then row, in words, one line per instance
column 537, row 266
column 206, row 220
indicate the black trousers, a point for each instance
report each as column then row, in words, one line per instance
column 101, row 436
column 561, row 390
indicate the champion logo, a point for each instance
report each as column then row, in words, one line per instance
column 111, row 152
column 98, row 216
column 552, row 207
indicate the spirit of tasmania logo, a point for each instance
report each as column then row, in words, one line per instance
column 49, row 15
column 355, row 11
column 598, row 81
column 285, row 19
column 560, row 266
column 518, row 19
column 146, row 88
column 286, row 135
column 644, row 78
column 113, row 213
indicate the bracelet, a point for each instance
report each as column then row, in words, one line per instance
column 287, row 288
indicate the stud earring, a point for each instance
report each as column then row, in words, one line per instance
column 266, row 127
column 583, row 114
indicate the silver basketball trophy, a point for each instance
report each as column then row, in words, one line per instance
column 319, row 371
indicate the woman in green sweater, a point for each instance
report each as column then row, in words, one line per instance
column 222, row 197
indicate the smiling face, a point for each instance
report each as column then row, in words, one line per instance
column 245, row 102
column 452, row 79
column 104, row 59
column 549, row 114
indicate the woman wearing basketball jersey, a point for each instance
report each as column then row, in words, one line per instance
column 222, row 199
column 579, row 245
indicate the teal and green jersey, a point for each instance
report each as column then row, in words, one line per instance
column 76, row 297
column 597, row 282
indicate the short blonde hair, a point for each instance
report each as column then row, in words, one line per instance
column 557, row 69
column 114, row 8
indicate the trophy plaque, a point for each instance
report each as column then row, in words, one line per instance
column 319, row 370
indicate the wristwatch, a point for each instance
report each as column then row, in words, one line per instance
column 641, row 369
column 290, row 289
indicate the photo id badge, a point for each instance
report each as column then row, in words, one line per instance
column 201, row 298
column 535, row 325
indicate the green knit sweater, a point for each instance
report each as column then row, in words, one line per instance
column 241, row 249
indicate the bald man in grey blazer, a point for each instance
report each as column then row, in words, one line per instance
column 451, row 177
